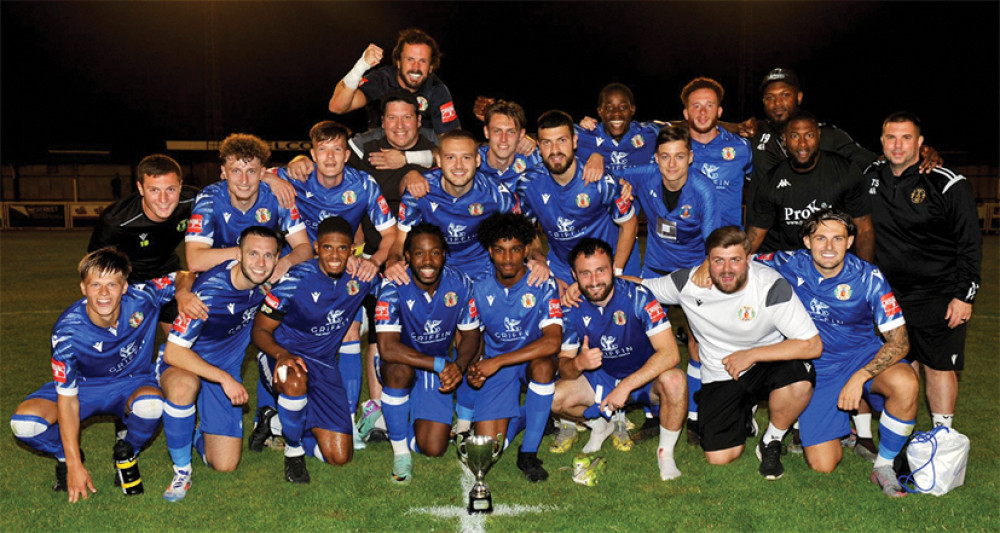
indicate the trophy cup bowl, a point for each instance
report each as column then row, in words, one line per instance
column 478, row 453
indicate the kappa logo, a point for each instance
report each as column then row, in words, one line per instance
column 545, row 198
column 608, row 343
column 232, row 308
column 586, row 321
column 315, row 296
column 782, row 184
column 432, row 327
column 808, row 366
column 309, row 194
column 799, row 281
column 489, row 300
column 99, row 346
column 409, row 304
column 954, row 358
column 698, row 302
column 227, row 216
column 600, row 141
column 763, row 141
column 511, row 325
column 876, row 273
column 456, row 231
column 434, row 206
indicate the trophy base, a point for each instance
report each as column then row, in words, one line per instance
column 480, row 504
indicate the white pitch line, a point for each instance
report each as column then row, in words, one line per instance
column 475, row 523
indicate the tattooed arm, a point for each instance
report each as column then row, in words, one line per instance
column 897, row 345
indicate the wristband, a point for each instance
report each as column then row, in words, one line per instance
column 353, row 78
column 619, row 271
column 423, row 158
column 439, row 363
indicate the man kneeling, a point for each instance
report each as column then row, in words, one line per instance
column 636, row 362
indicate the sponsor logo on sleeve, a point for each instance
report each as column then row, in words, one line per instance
column 382, row 311
column 889, row 304
column 194, row 224
column 623, row 205
column 162, row 283
column 384, row 206
column 473, row 310
column 555, row 309
column 59, row 371
column 181, row 324
column 655, row 311
column 272, row 301
column 448, row 112
column 294, row 213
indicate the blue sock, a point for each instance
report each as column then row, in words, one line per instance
column 37, row 433
column 396, row 410
column 537, row 406
column 593, row 411
column 178, row 427
column 143, row 420
column 292, row 412
column 199, row 444
column 466, row 403
column 311, row 446
column 350, row 371
column 694, row 385
column 516, row 424
column 411, row 438
column 892, row 434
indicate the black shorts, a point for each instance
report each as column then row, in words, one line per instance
column 369, row 305
column 168, row 312
column 932, row 342
column 725, row 407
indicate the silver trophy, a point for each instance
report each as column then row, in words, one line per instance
column 479, row 452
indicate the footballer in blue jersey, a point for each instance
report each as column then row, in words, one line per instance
column 102, row 351
column 299, row 330
column 416, row 323
column 203, row 357
column 522, row 328
column 225, row 208
column 679, row 203
column 620, row 141
column 504, row 130
column 722, row 156
column 568, row 209
column 633, row 359
column 460, row 198
column 845, row 295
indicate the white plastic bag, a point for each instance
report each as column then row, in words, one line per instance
column 937, row 460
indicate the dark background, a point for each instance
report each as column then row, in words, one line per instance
column 127, row 76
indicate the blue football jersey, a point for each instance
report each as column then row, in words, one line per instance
column 222, row 339
column 637, row 147
column 621, row 328
column 83, row 352
column 427, row 323
column 728, row 161
column 315, row 311
column 674, row 239
column 459, row 218
column 513, row 318
column 843, row 307
column 357, row 195
column 574, row 211
column 510, row 175
column 216, row 222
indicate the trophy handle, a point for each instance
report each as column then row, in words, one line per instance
column 498, row 447
column 460, row 445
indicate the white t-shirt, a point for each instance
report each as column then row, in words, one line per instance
column 766, row 311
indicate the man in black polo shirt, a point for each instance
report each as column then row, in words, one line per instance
column 930, row 249
column 811, row 179
column 414, row 60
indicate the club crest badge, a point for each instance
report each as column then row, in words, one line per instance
column 843, row 292
column 638, row 142
column 422, row 102
column 729, row 153
column 583, row 200
column 685, row 211
column 262, row 215
column 352, row 287
column 349, row 197
column 528, row 300
column 136, row 319
column 519, row 165
column 450, row 299
column 619, row 318
column 747, row 313
column 476, row 209
column 918, row 195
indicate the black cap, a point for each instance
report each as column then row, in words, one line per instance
column 783, row 75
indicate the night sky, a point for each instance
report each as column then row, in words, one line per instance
column 127, row 76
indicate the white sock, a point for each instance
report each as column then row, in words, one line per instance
column 939, row 419
column 693, row 416
column 773, row 433
column 665, row 454
column 668, row 439
column 863, row 425
column 294, row 451
column 463, row 425
column 600, row 430
column 399, row 447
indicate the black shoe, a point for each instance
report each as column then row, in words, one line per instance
column 261, row 428
column 650, row 429
column 531, row 466
column 61, row 484
column 551, row 426
column 693, row 438
column 377, row 435
column 295, row 469
column 681, row 336
column 120, row 430
column 770, row 459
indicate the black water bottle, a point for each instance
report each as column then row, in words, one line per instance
column 127, row 468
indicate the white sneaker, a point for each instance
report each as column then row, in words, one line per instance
column 179, row 486
column 600, row 429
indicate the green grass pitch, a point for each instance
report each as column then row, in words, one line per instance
column 38, row 281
